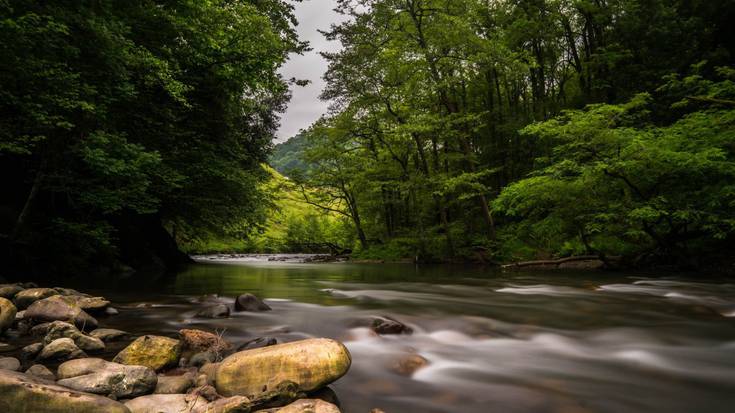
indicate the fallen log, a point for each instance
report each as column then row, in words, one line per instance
column 551, row 263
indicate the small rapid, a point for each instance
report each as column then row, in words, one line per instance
column 482, row 341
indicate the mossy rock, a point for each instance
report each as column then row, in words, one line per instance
column 22, row 393
column 27, row 297
column 155, row 352
column 310, row 364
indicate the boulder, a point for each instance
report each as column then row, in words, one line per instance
column 60, row 329
column 61, row 308
column 155, row 352
column 61, row 349
column 9, row 363
column 166, row 403
column 109, row 334
column 7, row 314
column 24, row 394
column 249, row 302
column 109, row 379
column 214, row 311
column 235, row 404
column 385, row 325
column 95, row 305
column 174, row 384
column 259, row 342
column 409, row 364
column 198, row 340
column 39, row 330
column 27, row 297
column 311, row 364
column 40, row 371
column 209, row 371
column 9, row 290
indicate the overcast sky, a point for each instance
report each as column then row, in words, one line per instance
column 305, row 106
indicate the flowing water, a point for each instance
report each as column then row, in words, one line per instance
column 495, row 342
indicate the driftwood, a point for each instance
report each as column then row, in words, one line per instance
column 547, row 263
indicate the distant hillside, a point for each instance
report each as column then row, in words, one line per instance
column 286, row 156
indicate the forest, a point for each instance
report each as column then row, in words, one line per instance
column 458, row 130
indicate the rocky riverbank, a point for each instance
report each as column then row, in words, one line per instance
column 63, row 359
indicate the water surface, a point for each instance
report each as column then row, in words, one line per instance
column 495, row 342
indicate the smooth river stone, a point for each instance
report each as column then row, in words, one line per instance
column 7, row 313
column 311, row 364
column 22, row 393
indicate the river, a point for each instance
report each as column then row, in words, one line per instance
column 495, row 342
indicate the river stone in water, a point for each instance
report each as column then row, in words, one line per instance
column 259, row 342
column 311, row 364
column 109, row 334
column 22, row 393
column 249, row 302
column 62, row 309
column 27, row 297
column 7, row 314
column 155, row 352
column 174, row 384
column 41, row 372
column 198, row 340
column 214, row 311
column 9, row 290
column 165, row 403
column 116, row 380
column 61, row 349
column 9, row 363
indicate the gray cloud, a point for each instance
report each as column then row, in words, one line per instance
column 305, row 106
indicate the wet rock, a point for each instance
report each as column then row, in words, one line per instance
column 205, row 357
column 209, row 371
column 165, row 403
column 60, row 308
column 69, row 292
column 206, row 391
column 112, row 379
column 40, row 330
column 174, row 384
column 409, row 364
column 307, row 406
column 214, row 311
column 111, row 311
column 60, row 329
column 9, row 363
column 94, row 305
column 7, row 314
column 326, row 394
column 40, row 371
column 249, row 302
column 27, row 297
column 5, row 347
column 80, row 367
column 155, row 352
column 25, row 393
column 259, row 342
column 61, row 349
column 385, row 325
column 198, row 340
column 235, row 404
column 311, row 364
column 31, row 351
column 9, row 290
column 109, row 334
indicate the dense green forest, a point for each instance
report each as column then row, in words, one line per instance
column 524, row 129
column 504, row 130
column 125, row 125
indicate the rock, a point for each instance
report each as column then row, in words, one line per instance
column 20, row 315
column 9, row 290
column 259, row 342
column 376, row 411
column 109, row 334
column 41, row 372
column 155, row 352
column 40, row 330
column 61, row 349
column 69, row 292
column 94, row 305
column 80, row 367
column 386, row 325
column 165, row 403
column 7, row 314
column 311, row 364
column 109, row 379
column 24, row 394
column 409, row 364
column 198, row 340
column 60, row 308
column 308, row 406
column 209, row 371
column 111, row 311
column 235, row 404
column 326, row 394
column 174, row 384
column 60, row 329
column 249, row 302
column 9, row 363
column 4, row 347
column 205, row 357
column 27, row 297
column 31, row 351
column 206, row 391
column 214, row 311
